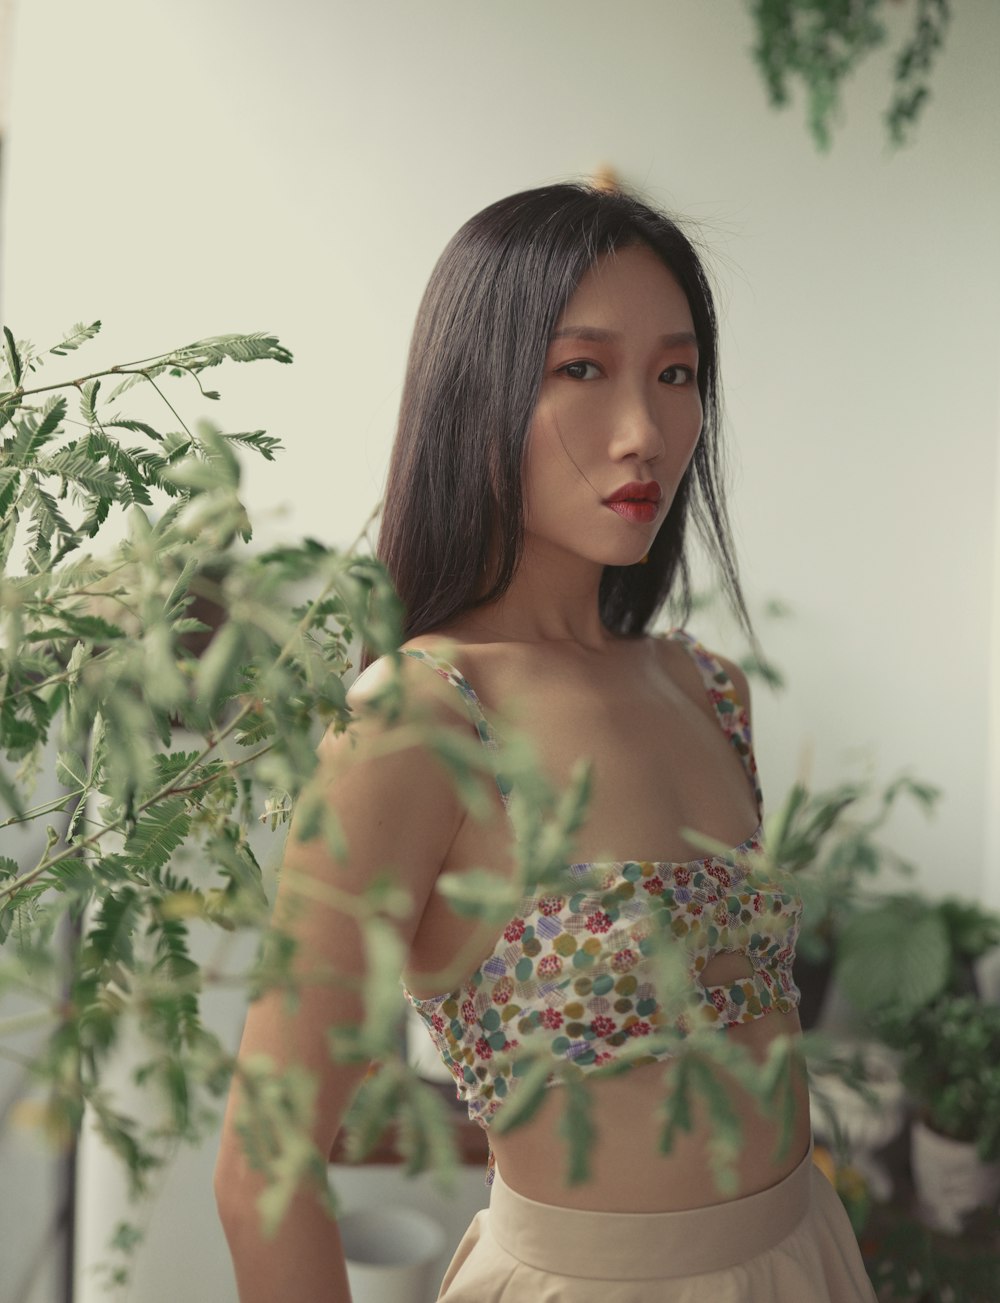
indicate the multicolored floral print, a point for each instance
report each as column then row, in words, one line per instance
column 577, row 969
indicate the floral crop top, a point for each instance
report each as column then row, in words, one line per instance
column 572, row 966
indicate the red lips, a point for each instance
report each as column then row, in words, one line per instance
column 637, row 491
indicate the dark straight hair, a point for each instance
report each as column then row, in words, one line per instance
column 475, row 366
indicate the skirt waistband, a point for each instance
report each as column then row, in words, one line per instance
column 636, row 1246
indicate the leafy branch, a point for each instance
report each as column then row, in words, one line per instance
column 173, row 759
column 821, row 43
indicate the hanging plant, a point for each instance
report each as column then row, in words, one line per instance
column 822, row 42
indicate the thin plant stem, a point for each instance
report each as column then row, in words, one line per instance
column 118, row 825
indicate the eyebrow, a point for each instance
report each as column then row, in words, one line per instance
column 603, row 336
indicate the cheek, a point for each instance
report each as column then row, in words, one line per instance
column 549, row 456
column 695, row 423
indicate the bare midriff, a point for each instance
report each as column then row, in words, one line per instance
column 628, row 1173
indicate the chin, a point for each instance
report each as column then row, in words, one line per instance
column 633, row 558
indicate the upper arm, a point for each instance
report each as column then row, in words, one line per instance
column 398, row 811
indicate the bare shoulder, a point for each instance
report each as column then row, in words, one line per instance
column 381, row 674
column 405, row 684
column 481, row 663
column 682, row 661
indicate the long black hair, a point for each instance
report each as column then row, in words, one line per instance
column 454, row 488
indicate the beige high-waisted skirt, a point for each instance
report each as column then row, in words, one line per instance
column 792, row 1243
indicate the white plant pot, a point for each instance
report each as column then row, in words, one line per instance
column 864, row 1127
column 950, row 1178
column 421, row 1052
column 391, row 1254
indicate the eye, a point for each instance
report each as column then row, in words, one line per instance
column 679, row 374
column 571, row 369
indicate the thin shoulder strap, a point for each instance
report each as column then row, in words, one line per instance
column 474, row 708
column 729, row 710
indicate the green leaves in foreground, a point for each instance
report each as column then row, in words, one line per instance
column 169, row 688
column 172, row 689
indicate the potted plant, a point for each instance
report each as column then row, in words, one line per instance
column 950, row 1066
column 832, row 856
column 828, row 839
column 903, row 951
column 907, row 964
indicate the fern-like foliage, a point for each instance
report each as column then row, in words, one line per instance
column 149, row 840
column 237, row 348
column 77, row 335
column 183, row 681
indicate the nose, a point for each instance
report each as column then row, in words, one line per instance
column 638, row 425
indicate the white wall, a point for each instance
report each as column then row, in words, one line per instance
column 188, row 169
column 991, row 866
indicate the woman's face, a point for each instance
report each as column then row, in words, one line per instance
column 618, row 405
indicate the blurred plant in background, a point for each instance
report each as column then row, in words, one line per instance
column 822, row 43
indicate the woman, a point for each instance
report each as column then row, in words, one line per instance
column 559, row 422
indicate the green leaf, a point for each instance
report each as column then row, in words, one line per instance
column 462, row 756
column 74, row 464
column 33, row 434
column 158, row 834
column 94, row 628
column 234, row 858
column 9, row 870
column 427, row 1135
column 169, row 767
column 13, row 357
column 479, row 893
column 523, row 1103
column 10, row 482
column 925, row 794
column 238, row 348
column 93, row 522
column 166, row 687
column 9, row 405
column 89, row 391
column 576, row 1127
column 259, row 440
column 7, row 534
column 137, row 427
column 373, row 1105
column 676, row 1103
column 123, row 461
column 727, row 1130
column 895, row 955
column 52, row 416
column 79, row 334
column 216, row 679
column 147, row 373
column 972, row 929
column 126, row 1237
column 47, row 522
column 195, row 473
column 114, row 924
column 119, row 1133
column 70, row 770
column 385, row 957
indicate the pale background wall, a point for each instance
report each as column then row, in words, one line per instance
column 187, row 169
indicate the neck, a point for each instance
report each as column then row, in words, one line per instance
column 553, row 597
